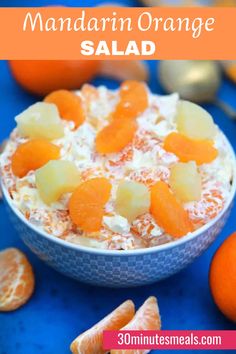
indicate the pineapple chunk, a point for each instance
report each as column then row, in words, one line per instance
column 185, row 181
column 132, row 199
column 41, row 120
column 56, row 178
column 194, row 122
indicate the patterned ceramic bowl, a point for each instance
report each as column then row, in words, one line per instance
column 119, row 268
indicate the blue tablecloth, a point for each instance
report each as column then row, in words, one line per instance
column 61, row 308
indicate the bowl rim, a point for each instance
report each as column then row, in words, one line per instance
column 134, row 252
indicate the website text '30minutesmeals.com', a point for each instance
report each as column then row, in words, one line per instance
column 210, row 340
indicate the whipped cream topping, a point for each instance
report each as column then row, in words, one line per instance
column 144, row 160
column 117, row 224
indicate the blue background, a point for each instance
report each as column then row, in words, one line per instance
column 61, row 308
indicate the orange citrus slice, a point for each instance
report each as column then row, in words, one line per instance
column 116, row 136
column 16, row 279
column 168, row 212
column 69, row 105
column 86, row 205
column 200, row 151
column 146, row 318
column 133, row 100
column 32, row 155
column 91, row 341
column 211, row 203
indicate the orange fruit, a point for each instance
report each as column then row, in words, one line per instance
column 115, row 136
column 69, row 106
column 168, row 212
column 86, row 205
column 200, row 151
column 133, row 100
column 230, row 70
column 222, row 277
column 224, row 3
column 43, row 76
column 146, row 318
column 128, row 87
column 91, row 341
column 32, row 155
column 16, row 279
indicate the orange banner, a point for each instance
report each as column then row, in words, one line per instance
column 117, row 33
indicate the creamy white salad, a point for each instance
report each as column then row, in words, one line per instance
column 143, row 160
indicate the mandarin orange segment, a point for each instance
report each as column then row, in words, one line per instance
column 32, row 155
column 116, row 136
column 91, row 341
column 69, row 106
column 16, row 279
column 133, row 100
column 86, row 205
column 209, row 206
column 146, row 318
column 186, row 149
column 129, row 87
column 168, row 212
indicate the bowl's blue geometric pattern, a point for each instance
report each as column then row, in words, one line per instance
column 117, row 270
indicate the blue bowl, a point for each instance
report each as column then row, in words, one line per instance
column 112, row 268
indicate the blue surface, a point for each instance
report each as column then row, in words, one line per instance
column 61, row 308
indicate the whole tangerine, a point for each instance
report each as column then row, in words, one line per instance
column 40, row 77
column 222, row 277
column 231, row 71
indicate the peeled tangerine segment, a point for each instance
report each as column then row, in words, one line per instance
column 116, row 136
column 185, row 181
column 194, row 121
column 147, row 318
column 32, row 155
column 132, row 199
column 91, row 341
column 133, row 100
column 41, row 120
column 16, row 279
column 56, row 178
column 186, row 149
column 69, row 105
column 86, row 205
column 168, row 212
